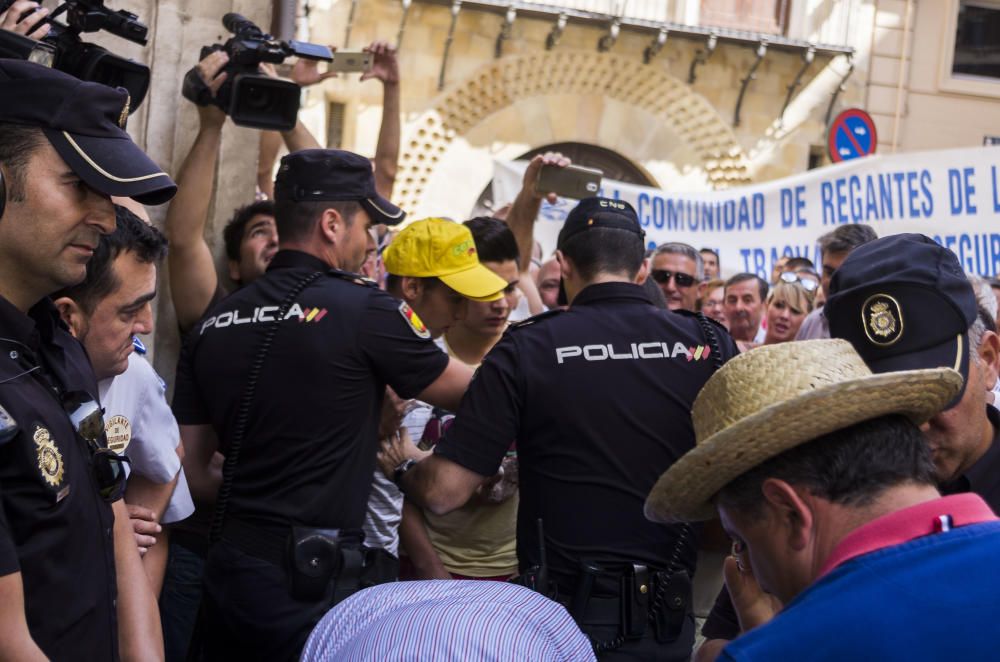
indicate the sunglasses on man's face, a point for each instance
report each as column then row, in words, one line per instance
column 663, row 276
column 109, row 467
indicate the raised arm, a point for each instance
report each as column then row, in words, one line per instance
column 524, row 211
column 193, row 279
column 385, row 68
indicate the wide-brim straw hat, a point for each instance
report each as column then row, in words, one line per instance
column 776, row 397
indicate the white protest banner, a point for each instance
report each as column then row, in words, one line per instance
column 952, row 196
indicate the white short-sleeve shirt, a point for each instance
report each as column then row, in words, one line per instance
column 138, row 422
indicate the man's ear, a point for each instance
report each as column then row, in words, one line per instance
column 793, row 514
column 643, row 273
column 989, row 358
column 566, row 268
column 413, row 289
column 332, row 226
column 72, row 314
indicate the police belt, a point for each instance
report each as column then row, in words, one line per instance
column 271, row 544
column 268, row 544
column 649, row 602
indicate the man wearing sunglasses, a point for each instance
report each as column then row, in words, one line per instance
column 678, row 268
column 71, row 579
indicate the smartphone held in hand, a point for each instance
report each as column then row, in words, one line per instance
column 576, row 182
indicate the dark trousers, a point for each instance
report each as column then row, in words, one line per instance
column 248, row 613
column 179, row 600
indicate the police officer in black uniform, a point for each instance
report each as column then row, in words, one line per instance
column 286, row 378
column 67, row 553
column 598, row 399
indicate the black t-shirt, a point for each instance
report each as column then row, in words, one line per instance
column 54, row 527
column 309, row 446
column 599, row 400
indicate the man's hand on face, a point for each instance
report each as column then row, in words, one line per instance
column 535, row 167
column 754, row 606
column 23, row 17
column 144, row 527
column 396, row 449
column 385, row 67
column 210, row 70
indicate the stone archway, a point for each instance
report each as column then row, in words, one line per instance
column 501, row 84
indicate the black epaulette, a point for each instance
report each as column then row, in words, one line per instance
column 694, row 315
column 350, row 277
column 552, row 312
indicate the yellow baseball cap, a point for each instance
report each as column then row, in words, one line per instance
column 438, row 248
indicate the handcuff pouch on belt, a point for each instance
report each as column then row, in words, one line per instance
column 324, row 564
column 671, row 604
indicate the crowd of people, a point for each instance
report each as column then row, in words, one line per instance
column 396, row 438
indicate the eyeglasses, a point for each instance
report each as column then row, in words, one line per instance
column 87, row 418
column 808, row 284
column 664, row 276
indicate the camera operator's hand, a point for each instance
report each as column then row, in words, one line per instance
column 23, row 17
column 535, row 166
column 210, row 71
column 385, row 67
column 306, row 72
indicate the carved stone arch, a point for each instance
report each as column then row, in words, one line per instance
column 500, row 84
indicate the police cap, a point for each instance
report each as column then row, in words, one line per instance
column 599, row 213
column 904, row 302
column 333, row 175
column 85, row 122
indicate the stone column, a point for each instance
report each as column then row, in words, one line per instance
column 165, row 124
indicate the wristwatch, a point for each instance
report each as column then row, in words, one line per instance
column 404, row 466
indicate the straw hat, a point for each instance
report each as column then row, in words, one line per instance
column 776, row 397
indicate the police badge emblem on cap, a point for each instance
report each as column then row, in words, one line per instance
column 50, row 460
column 882, row 318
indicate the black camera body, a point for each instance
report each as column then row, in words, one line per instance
column 248, row 97
column 63, row 49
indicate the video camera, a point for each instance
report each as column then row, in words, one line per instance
column 63, row 49
column 248, row 97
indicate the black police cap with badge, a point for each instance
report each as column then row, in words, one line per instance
column 333, row 175
column 593, row 213
column 904, row 302
column 85, row 123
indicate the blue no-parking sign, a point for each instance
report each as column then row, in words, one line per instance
column 852, row 135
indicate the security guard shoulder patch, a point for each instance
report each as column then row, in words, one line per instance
column 119, row 432
column 50, row 460
column 416, row 324
column 535, row 318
